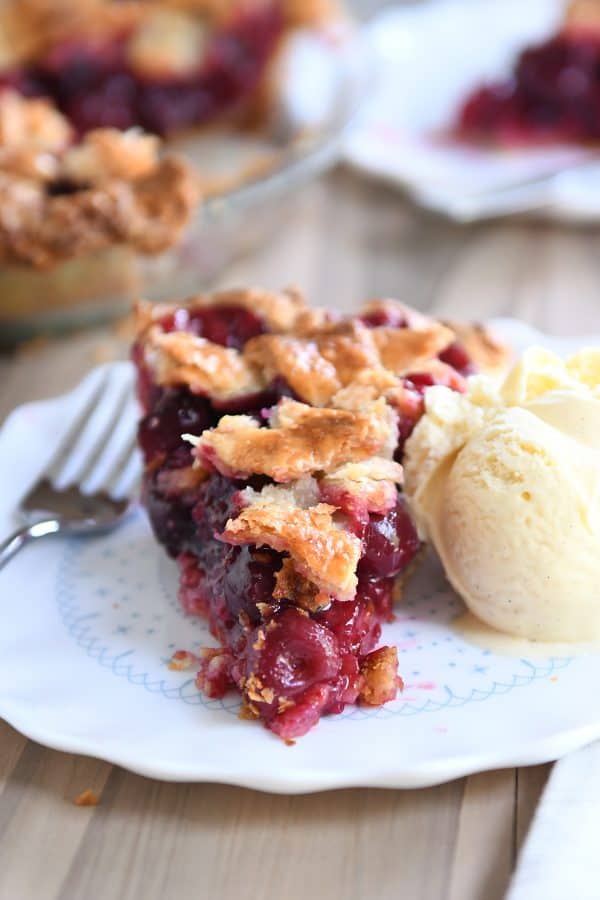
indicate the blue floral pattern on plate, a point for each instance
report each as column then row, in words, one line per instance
column 117, row 597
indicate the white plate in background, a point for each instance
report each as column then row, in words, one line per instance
column 430, row 57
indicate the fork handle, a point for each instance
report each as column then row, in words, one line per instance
column 11, row 546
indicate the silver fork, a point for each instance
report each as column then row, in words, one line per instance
column 87, row 485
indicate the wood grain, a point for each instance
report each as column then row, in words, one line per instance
column 487, row 818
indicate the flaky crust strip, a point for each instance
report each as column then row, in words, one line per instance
column 317, row 366
column 148, row 214
column 31, row 125
column 406, row 350
column 323, row 553
column 179, row 357
column 307, row 372
column 107, row 154
column 488, row 353
column 337, row 363
column 301, row 440
column 370, row 485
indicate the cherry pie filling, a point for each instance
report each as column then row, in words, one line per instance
column 95, row 85
column 293, row 664
column 552, row 96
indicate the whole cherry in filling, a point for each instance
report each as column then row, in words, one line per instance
column 297, row 652
column 456, row 356
column 298, row 665
column 390, row 542
column 177, row 412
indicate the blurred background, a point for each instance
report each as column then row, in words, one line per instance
column 358, row 228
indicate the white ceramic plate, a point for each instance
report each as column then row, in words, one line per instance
column 429, row 62
column 87, row 627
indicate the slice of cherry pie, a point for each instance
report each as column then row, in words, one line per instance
column 164, row 65
column 553, row 93
column 273, row 436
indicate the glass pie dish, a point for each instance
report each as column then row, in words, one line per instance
column 249, row 179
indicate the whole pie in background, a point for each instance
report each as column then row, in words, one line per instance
column 166, row 66
column 95, row 209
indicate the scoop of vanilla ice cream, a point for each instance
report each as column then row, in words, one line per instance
column 506, row 484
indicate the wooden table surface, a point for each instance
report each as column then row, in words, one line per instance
column 347, row 239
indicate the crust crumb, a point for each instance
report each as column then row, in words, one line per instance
column 87, row 798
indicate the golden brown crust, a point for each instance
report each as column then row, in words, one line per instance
column 406, row 350
column 219, row 372
column 302, row 439
column 106, row 154
column 307, row 372
column 370, row 484
column 340, row 365
column 380, row 673
column 33, row 125
column 583, row 14
column 373, row 383
column 120, row 191
column 41, row 230
column 349, row 347
column 318, row 365
column 323, row 553
column 489, row 354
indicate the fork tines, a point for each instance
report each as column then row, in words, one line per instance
column 98, row 451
